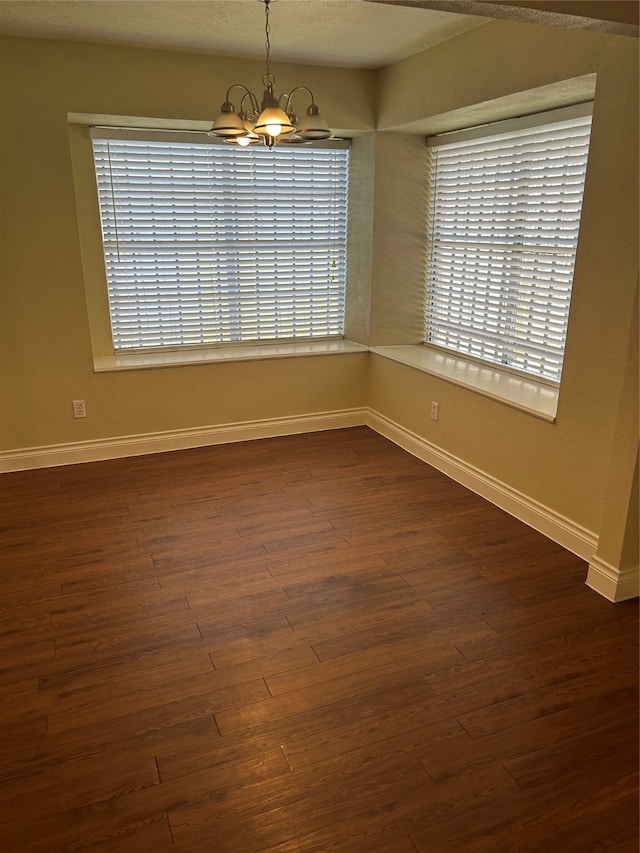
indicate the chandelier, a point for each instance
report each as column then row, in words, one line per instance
column 273, row 121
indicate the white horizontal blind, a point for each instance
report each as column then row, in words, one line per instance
column 208, row 244
column 504, row 215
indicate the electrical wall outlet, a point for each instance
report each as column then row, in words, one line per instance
column 435, row 410
column 79, row 409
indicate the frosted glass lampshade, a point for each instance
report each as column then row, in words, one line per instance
column 228, row 123
column 273, row 122
column 313, row 126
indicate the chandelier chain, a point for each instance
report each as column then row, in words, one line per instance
column 267, row 44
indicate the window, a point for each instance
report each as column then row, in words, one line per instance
column 207, row 243
column 504, row 214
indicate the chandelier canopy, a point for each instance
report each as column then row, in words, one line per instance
column 273, row 120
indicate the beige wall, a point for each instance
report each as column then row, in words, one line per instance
column 399, row 245
column 587, row 458
column 46, row 355
column 573, row 467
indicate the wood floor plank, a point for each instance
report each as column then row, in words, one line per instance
column 540, row 701
column 264, row 598
column 202, row 698
column 215, row 574
column 274, row 710
column 369, row 842
column 425, row 633
column 304, row 644
column 321, row 717
column 365, row 834
column 108, row 573
column 396, row 728
column 342, row 586
column 288, row 569
column 157, row 632
column 269, row 655
column 83, row 609
column 359, row 614
column 383, row 827
column 150, row 667
column 461, row 752
column 57, row 835
column 269, row 815
column 72, row 786
column 614, row 828
column 254, row 754
column 578, row 755
column 139, row 737
column 518, row 814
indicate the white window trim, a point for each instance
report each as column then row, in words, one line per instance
column 222, row 355
column 494, row 128
column 526, row 395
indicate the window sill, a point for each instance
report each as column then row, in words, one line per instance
column 527, row 395
column 218, row 355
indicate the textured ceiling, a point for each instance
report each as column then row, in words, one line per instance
column 348, row 33
column 620, row 17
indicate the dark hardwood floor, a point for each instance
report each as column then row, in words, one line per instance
column 310, row 643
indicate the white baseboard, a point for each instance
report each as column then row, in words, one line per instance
column 607, row 580
column 560, row 529
column 159, row 442
column 614, row 584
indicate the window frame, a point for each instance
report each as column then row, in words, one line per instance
column 487, row 131
column 108, row 349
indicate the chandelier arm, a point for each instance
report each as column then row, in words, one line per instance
column 284, row 102
column 253, row 100
column 240, row 86
column 290, row 95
